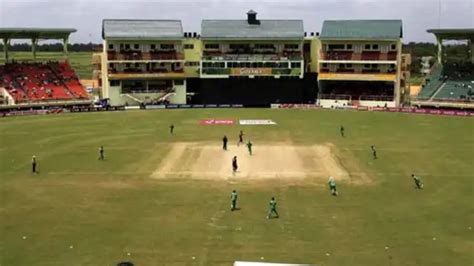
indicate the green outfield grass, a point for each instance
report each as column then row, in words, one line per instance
column 80, row 61
column 105, row 210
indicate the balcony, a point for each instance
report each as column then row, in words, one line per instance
column 252, row 71
column 219, row 56
column 364, row 56
column 130, row 73
column 139, row 56
column 361, row 75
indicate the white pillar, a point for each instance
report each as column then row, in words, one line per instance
column 439, row 42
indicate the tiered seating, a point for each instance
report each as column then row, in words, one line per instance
column 36, row 82
column 450, row 82
column 459, row 83
column 71, row 81
column 433, row 82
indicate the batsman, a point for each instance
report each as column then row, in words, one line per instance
column 418, row 182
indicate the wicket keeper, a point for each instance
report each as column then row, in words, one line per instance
column 33, row 164
column 224, row 143
column 101, row 153
column 249, row 147
column 272, row 209
column 233, row 199
column 418, row 182
column 332, row 186
column 234, row 164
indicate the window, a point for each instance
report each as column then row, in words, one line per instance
column 367, row 47
column 136, row 46
column 211, row 46
column 336, row 47
column 153, row 46
column 375, row 46
column 127, row 65
column 296, row 65
column 111, row 46
column 325, row 65
column 114, row 82
column 178, row 82
column 127, row 46
column 349, row 47
column 374, row 66
column 189, row 46
column 348, row 65
column 393, row 47
column 191, row 63
column 367, row 66
column 264, row 46
column 167, row 46
column 292, row 46
column 341, row 65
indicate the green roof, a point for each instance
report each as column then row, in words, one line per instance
column 38, row 33
column 362, row 30
column 453, row 34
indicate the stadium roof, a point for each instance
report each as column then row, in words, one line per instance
column 242, row 30
column 133, row 29
column 35, row 33
column 453, row 34
column 362, row 30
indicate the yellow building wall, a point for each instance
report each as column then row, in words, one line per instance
column 192, row 55
column 315, row 48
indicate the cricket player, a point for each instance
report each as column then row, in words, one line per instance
column 272, row 209
column 224, row 143
column 374, row 152
column 342, row 131
column 241, row 138
column 171, row 129
column 233, row 199
column 101, row 153
column 249, row 147
column 234, row 164
column 332, row 186
column 418, row 182
column 33, row 164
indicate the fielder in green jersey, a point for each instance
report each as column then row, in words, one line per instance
column 233, row 199
column 272, row 209
column 332, row 186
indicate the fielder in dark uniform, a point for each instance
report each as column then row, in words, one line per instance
column 234, row 164
column 224, row 143
column 418, row 182
column 272, row 209
column 171, row 129
column 101, row 153
column 342, row 131
column 241, row 138
column 33, row 164
column 374, row 152
column 249, row 147
column 233, row 199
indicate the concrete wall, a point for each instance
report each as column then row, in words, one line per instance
column 377, row 103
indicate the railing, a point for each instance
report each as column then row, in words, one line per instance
column 137, row 56
column 351, row 56
column 346, row 97
column 376, row 98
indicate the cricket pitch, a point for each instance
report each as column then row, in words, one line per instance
column 269, row 161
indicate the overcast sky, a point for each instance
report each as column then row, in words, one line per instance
column 86, row 15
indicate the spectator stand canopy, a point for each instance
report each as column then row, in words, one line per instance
column 453, row 34
column 34, row 34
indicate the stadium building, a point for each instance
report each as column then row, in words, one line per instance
column 451, row 79
column 143, row 62
column 361, row 63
